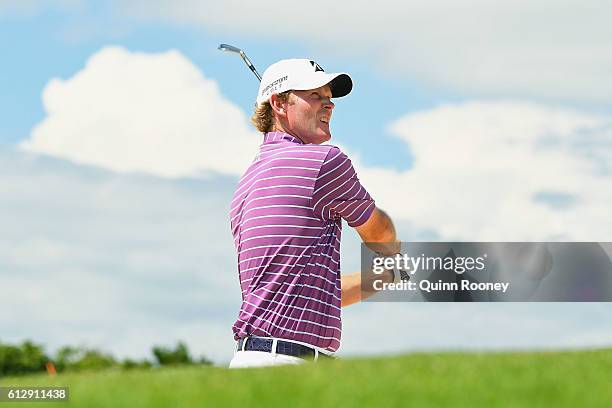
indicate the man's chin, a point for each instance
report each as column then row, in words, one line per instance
column 324, row 138
column 317, row 137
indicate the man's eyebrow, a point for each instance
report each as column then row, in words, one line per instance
column 321, row 93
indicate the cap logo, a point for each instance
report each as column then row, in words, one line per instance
column 316, row 66
column 274, row 85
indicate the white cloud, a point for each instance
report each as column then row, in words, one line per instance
column 501, row 171
column 542, row 49
column 119, row 262
column 136, row 112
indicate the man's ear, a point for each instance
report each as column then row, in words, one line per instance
column 278, row 105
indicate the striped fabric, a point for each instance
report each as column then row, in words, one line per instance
column 286, row 218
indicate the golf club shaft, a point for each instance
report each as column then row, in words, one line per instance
column 250, row 65
column 247, row 61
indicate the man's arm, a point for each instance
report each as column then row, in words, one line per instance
column 378, row 233
column 351, row 286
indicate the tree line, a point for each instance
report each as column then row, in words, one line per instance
column 28, row 357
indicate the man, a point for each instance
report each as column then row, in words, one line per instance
column 286, row 218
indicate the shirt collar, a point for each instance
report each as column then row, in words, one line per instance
column 272, row 137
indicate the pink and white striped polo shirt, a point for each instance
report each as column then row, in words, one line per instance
column 286, row 218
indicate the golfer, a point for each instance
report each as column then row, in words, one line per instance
column 286, row 219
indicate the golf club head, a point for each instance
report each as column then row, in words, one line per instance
column 229, row 48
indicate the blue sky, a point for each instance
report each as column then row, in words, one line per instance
column 112, row 202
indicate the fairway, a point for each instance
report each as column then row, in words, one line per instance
column 541, row 379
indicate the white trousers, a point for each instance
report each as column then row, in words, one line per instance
column 245, row 359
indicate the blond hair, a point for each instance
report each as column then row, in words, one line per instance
column 263, row 115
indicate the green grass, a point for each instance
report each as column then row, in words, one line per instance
column 538, row 379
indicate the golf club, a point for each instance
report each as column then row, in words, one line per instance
column 231, row 48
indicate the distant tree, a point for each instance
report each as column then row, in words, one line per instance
column 130, row 364
column 65, row 356
column 167, row 356
column 26, row 358
column 34, row 357
column 95, row 359
column 29, row 357
column 78, row 358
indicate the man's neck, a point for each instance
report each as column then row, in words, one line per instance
column 279, row 128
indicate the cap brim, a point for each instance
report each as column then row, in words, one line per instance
column 340, row 84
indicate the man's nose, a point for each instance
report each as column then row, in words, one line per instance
column 328, row 104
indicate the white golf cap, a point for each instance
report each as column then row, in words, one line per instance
column 301, row 75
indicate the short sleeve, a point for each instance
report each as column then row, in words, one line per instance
column 338, row 192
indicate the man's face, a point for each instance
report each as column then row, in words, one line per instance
column 309, row 113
